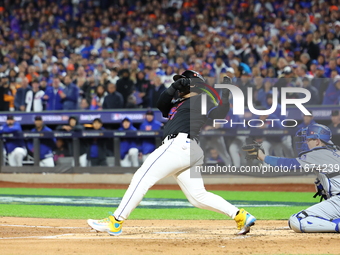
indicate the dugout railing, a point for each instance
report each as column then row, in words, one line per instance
column 114, row 137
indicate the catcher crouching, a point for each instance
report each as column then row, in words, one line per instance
column 317, row 152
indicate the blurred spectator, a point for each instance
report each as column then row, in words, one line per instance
column 34, row 98
column 271, row 144
column 96, row 152
column 263, row 93
column 148, row 144
column 5, row 94
column 258, row 82
column 86, row 50
column 307, row 120
column 20, row 97
column 287, row 80
column 114, row 100
column 244, row 83
column 131, row 102
column 52, row 96
column 89, row 89
column 313, row 67
column 15, row 148
column 312, row 49
column 84, row 105
column 230, row 72
column 31, row 74
column 125, row 85
column 128, row 146
column 218, row 143
column 314, row 100
column 47, row 145
column 69, row 95
column 142, row 87
column 302, row 72
column 74, row 126
column 167, row 79
column 98, row 99
column 60, row 151
column 214, row 158
column 218, row 67
column 332, row 94
column 330, row 67
column 93, row 43
column 157, row 87
column 335, row 127
column 286, row 140
column 235, row 143
column 320, row 82
column 10, row 90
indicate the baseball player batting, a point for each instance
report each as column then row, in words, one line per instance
column 320, row 154
column 178, row 153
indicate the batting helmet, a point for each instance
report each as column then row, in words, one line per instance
column 197, row 81
column 189, row 74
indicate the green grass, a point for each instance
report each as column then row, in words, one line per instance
column 73, row 212
column 228, row 195
column 79, row 212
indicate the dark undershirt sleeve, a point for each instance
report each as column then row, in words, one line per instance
column 219, row 111
column 164, row 103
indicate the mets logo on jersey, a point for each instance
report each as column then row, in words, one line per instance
column 173, row 111
column 303, row 157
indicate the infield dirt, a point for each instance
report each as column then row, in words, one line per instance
column 55, row 236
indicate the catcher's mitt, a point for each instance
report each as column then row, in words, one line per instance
column 252, row 150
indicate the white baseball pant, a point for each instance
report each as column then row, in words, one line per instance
column 130, row 159
column 82, row 160
column 235, row 150
column 16, row 157
column 174, row 158
column 144, row 157
column 47, row 162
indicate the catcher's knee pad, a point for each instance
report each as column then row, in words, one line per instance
column 294, row 223
column 304, row 223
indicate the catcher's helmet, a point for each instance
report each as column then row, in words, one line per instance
column 314, row 131
column 318, row 131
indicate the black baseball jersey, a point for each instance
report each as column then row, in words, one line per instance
column 184, row 115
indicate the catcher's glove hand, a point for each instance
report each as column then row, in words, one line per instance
column 252, row 150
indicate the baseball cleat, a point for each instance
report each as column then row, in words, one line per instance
column 99, row 225
column 244, row 221
column 115, row 226
column 109, row 225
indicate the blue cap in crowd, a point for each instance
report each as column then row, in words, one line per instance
column 320, row 67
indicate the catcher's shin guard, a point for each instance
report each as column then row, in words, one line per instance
column 304, row 223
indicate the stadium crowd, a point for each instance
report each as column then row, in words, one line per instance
column 114, row 54
column 101, row 54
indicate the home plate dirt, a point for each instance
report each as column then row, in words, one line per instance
column 55, row 236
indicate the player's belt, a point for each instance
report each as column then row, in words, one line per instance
column 172, row 136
